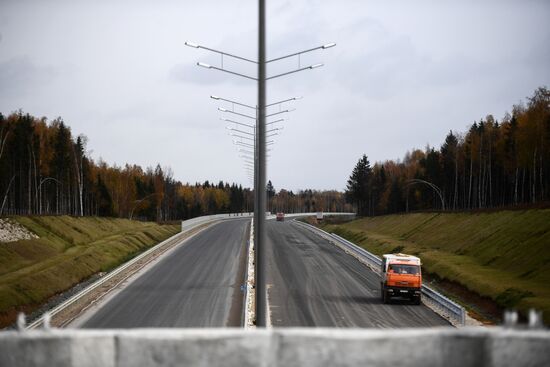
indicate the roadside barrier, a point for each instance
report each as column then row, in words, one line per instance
column 288, row 347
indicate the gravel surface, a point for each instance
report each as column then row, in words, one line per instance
column 11, row 231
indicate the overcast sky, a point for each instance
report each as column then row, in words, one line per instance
column 403, row 74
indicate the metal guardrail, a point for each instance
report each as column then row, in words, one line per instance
column 452, row 308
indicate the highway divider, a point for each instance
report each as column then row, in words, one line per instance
column 249, row 318
column 442, row 305
column 192, row 223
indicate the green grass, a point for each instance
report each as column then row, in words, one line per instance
column 503, row 255
column 68, row 251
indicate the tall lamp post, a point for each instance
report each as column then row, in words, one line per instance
column 260, row 183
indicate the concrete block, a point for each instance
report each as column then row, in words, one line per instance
column 510, row 348
column 337, row 347
column 57, row 348
column 494, row 347
column 193, row 348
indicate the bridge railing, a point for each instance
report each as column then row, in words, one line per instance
column 465, row 347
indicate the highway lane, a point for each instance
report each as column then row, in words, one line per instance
column 311, row 282
column 195, row 285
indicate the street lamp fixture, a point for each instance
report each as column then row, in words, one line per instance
column 191, row 44
column 204, row 65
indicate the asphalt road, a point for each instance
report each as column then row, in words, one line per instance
column 311, row 282
column 196, row 285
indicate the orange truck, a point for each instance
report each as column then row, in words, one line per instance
column 401, row 278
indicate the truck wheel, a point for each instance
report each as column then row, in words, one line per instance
column 385, row 298
column 417, row 300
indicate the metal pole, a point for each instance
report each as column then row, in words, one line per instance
column 260, row 230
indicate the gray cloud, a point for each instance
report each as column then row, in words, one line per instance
column 19, row 76
column 403, row 74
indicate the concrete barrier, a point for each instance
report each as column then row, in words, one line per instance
column 193, row 222
column 276, row 347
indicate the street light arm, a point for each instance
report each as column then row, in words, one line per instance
column 249, row 106
column 242, row 137
column 274, row 122
column 194, row 45
column 243, row 144
column 433, row 186
column 234, row 102
column 44, row 180
column 283, row 101
column 225, row 70
column 239, row 131
column 294, row 71
column 239, row 123
column 329, row 45
column 278, row 113
column 236, row 113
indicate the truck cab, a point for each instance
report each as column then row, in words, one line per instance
column 401, row 278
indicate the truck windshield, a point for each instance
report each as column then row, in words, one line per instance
column 405, row 269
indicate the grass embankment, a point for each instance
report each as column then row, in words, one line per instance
column 68, row 251
column 502, row 255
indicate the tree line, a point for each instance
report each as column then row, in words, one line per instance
column 306, row 201
column 493, row 164
column 45, row 170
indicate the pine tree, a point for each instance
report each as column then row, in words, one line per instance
column 358, row 187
